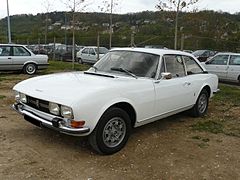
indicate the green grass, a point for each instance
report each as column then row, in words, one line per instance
column 209, row 126
column 58, row 66
column 2, row 78
column 228, row 94
column 225, row 117
column 2, row 97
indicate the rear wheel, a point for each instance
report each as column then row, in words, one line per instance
column 239, row 80
column 201, row 106
column 30, row 68
column 112, row 132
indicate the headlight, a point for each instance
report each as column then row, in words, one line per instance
column 66, row 112
column 54, row 108
column 17, row 96
column 23, row 98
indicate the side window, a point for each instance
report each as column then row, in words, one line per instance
column 219, row 60
column 5, row 51
column 191, row 66
column 91, row 51
column 85, row 51
column 20, row 51
column 234, row 60
column 174, row 64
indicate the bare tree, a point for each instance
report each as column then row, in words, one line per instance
column 177, row 6
column 108, row 6
column 74, row 6
column 47, row 4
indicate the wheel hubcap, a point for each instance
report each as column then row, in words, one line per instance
column 202, row 103
column 30, row 69
column 114, row 132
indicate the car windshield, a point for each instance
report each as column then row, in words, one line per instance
column 125, row 62
column 102, row 50
column 198, row 52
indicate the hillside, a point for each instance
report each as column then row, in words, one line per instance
column 202, row 30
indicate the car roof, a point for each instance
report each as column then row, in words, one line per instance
column 153, row 51
column 93, row 47
column 11, row 45
column 227, row 53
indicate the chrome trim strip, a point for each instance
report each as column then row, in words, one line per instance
column 158, row 117
column 214, row 92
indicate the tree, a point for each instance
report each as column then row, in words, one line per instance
column 177, row 6
column 47, row 7
column 75, row 6
column 108, row 7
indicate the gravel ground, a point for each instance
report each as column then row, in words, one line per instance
column 167, row 149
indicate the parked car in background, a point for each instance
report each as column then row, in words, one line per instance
column 156, row 46
column 188, row 51
column 203, row 55
column 226, row 66
column 64, row 52
column 90, row 54
column 18, row 57
column 127, row 88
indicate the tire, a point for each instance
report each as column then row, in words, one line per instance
column 239, row 80
column 30, row 69
column 80, row 61
column 112, row 132
column 201, row 106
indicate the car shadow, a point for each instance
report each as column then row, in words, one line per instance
column 76, row 144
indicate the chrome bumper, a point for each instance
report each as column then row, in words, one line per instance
column 216, row 91
column 55, row 123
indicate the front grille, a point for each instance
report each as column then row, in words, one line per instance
column 38, row 104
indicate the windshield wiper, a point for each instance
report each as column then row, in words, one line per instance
column 124, row 70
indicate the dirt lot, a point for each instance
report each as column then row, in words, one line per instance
column 179, row 147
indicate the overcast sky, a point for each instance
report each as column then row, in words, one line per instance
column 37, row 6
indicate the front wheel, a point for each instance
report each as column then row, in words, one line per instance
column 30, row 69
column 112, row 132
column 201, row 106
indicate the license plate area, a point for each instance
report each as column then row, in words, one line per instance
column 32, row 121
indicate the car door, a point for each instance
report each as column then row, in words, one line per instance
column 92, row 55
column 233, row 73
column 218, row 65
column 85, row 54
column 20, row 56
column 5, row 58
column 175, row 93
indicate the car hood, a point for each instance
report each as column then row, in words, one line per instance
column 67, row 88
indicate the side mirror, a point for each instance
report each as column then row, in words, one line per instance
column 166, row 75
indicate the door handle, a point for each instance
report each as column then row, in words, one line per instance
column 9, row 58
column 187, row 84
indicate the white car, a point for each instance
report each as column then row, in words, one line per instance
column 127, row 88
column 18, row 57
column 226, row 66
column 90, row 54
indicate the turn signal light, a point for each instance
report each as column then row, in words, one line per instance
column 77, row 124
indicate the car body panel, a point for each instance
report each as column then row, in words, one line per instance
column 91, row 94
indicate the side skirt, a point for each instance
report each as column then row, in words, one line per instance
column 156, row 118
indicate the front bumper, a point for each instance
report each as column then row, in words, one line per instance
column 216, row 91
column 44, row 120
